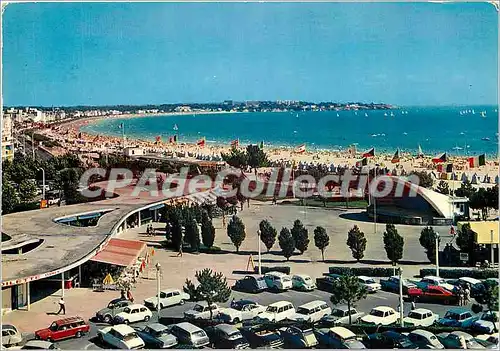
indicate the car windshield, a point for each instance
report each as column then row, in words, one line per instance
column 286, row 279
column 260, row 279
column 307, row 279
column 414, row 315
column 198, row 308
column 338, row 313
column 272, row 309
column 440, row 281
column 377, row 313
column 161, row 332
column 130, row 336
column 302, row 310
column 492, row 317
column 235, row 335
column 452, row 315
column 199, row 333
column 111, row 305
column 369, row 281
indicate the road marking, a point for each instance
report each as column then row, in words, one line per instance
column 87, row 346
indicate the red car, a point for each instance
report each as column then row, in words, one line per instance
column 432, row 293
column 63, row 329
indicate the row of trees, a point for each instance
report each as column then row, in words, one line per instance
column 253, row 157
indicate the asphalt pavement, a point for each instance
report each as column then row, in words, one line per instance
column 380, row 298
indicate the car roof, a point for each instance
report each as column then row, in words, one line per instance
column 422, row 332
column 39, row 343
column 459, row 310
column 136, row 305
column 204, row 303
column 383, row 308
column 123, row 329
column 421, row 310
column 8, row 326
column 188, row 326
column 470, row 280
column 461, row 333
column 364, row 277
column 312, row 304
column 280, row 303
column 303, row 276
column 392, row 334
column 244, row 302
column 226, row 328
column 278, row 274
column 69, row 320
column 157, row 327
column 342, row 332
column 117, row 300
column 432, row 277
column 169, row 290
column 343, row 307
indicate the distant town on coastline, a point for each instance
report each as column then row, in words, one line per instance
column 50, row 114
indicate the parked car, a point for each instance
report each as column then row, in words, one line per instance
column 491, row 338
column 260, row 337
column 388, row 340
column 381, row 315
column 452, row 340
column 133, row 313
column 169, row 297
column 420, row 317
column 340, row 315
column 202, row 311
column 251, row 284
column 241, row 310
column 325, row 283
column 303, row 282
column 114, row 307
column 225, row 336
column 486, row 343
column 298, row 337
column 63, row 329
column 369, row 283
column 432, row 294
column 120, row 336
column 434, row 281
column 39, row 345
column 157, row 336
column 424, row 339
column 458, row 317
column 189, row 334
column 311, row 312
column 392, row 284
column 277, row 311
column 278, row 281
column 487, row 323
column 10, row 335
column 338, row 338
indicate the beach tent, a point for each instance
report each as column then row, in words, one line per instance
column 486, row 179
column 474, row 179
column 464, row 178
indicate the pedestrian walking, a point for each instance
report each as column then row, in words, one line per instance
column 62, row 306
column 129, row 296
column 466, row 296
column 179, row 254
column 413, row 305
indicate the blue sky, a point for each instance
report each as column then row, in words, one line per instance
column 133, row 53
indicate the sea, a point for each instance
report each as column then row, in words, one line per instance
column 457, row 130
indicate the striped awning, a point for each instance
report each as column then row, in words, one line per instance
column 120, row 252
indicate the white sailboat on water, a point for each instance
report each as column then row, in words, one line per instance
column 420, row 153
column 175, row 127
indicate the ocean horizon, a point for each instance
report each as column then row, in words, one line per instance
column 458, row 130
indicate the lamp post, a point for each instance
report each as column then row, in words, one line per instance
column 401, row 305
column 43, row 182
column 437, row 254
column 258, row 234
column 158, row 273
column 492, row 252
column 33, row 144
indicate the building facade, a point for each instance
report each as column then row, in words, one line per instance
column 7, row 139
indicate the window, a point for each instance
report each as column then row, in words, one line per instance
column 353, row 312
column 143, row 309
column 281, row 309
column 176, row 293
column 324, row 306
column 126, row 310
column 163, row 295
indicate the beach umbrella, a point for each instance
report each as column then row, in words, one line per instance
column 464, row 178
column 474, row 179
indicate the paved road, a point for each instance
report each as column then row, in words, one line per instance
column 381, row 298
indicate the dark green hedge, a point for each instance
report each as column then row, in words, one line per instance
column 282, row 269
column 458, row 273
column 368, row 271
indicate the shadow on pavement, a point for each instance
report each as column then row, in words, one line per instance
column 359, row 216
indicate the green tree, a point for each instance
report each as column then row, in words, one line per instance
column 207, row 230
column 492, row 195
column 235, row 158
column 212, row 287
column 256, row 157
column 425, row 179
column 393, row 243
column 27, row 190
column 357, row 242
column 347, row 290
column 300, row 235
column 466, row 190
column 286, row 242
column 428, row 242
column 268, row 234
column 321, row 240
column 192, row 234
column 236, row 231
column 466, row 242
column 443, row 188
column 174, row 217
column 10, row 197
column 479, row 201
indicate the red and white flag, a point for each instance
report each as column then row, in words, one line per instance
column 300, row 149
column 201, row 142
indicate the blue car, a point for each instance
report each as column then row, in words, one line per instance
column 458, row 317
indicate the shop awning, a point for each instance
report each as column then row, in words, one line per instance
column 120, row 252
column 156, row 207
column 483, row 231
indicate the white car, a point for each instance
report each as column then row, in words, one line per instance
column 278, row 281
column 437, row 281
column 370, row 284
column 169, row 297
column 421, row 317
column 134, row 313
column 312, row 312
column 241, row 311
column 202, row 311
column 277, row 311
column 121, row 336
column 381, row 315
column 303, row 282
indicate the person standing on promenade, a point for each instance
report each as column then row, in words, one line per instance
column 180, row 245
column 62, row 306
